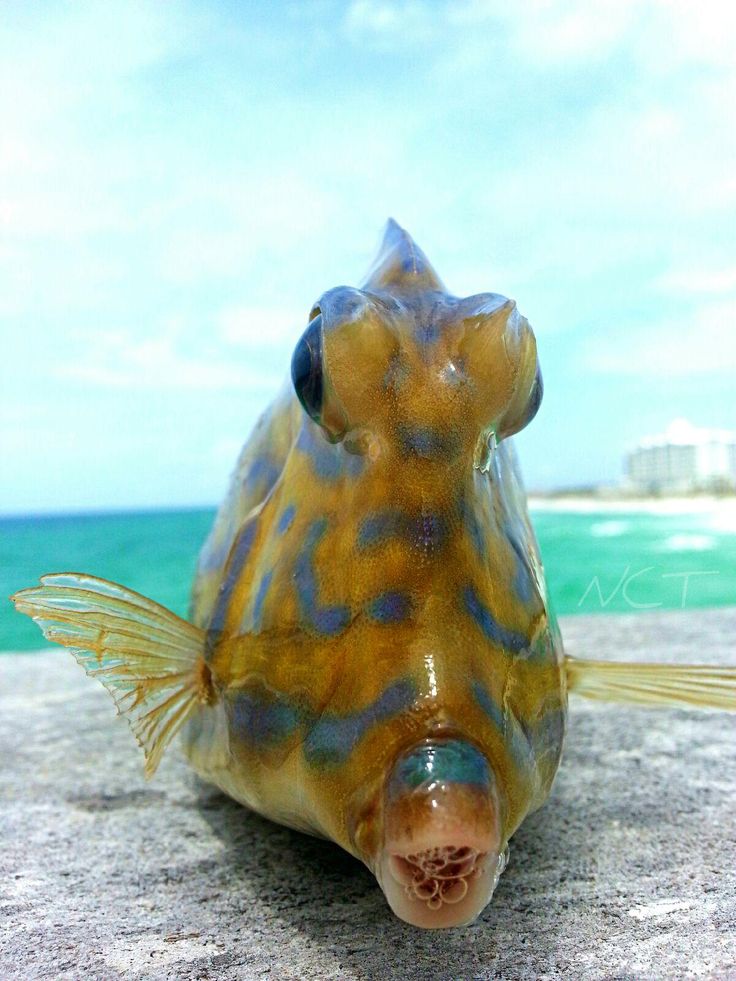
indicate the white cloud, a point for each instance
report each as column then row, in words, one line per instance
column 256, row 327
column 713, row 281
column 224, row 451
column 72, row 44
column 703, row 343
column 700, row 342
column 659, row 34
column 694, row 32
column 384, row 19
column 222, row 225
column 116, row 359
column 542, row 31
column 560, row 30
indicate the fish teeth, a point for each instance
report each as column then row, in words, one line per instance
column 438, row 875
column 454, row 891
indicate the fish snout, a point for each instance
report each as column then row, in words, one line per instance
column 442, row 852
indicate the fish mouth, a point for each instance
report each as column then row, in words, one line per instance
column 442, row 851
column 441, row 885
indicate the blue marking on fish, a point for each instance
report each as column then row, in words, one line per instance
column 262, row 473
column 424, row 441
column 507, row 725
column 422, row 530
column 376, row 528
column 548, row 733
column 236, row 560
column 489, row 705
column 543, row 648
column 261, row 723
column 524, row 582
column 332, row 738
column 389, row 607
column 330, row 462
column 429, row 531
column 429, row 332
column 396, row 374
column 286, row 520
column 446, row 760
column 509, row 639
column 260, row 599
column 343, row 303
column 474, row 528
column 329, row 620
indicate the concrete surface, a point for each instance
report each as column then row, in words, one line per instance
column 628, row 872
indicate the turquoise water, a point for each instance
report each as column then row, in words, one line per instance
column 595, row 562
column 153, row 552
column 617, row 562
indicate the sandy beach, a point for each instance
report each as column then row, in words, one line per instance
column 584, row 504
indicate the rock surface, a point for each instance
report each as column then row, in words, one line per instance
column 627, row 872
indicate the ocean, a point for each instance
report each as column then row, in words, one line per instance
column 595, row 561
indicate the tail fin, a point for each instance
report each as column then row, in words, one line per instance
column 149, row 659
column 699, row 685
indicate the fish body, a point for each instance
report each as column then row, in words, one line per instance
column 367, row 594
column 371, row 655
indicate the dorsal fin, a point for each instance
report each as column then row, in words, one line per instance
column 401, row 263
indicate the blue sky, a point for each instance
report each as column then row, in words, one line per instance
column 179, row 182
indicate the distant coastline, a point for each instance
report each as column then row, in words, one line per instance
column 588, row 503
column 582, row 501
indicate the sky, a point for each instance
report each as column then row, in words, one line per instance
column 180, row 181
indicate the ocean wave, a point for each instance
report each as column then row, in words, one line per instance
column 609, row 529
column 687, row 543
column 725, row 523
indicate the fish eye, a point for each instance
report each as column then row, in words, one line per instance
column 535, row 399
column 522, row 413
column 306, row 369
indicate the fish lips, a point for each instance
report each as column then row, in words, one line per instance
column 442, row 852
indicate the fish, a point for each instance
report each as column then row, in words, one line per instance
column 371, row 655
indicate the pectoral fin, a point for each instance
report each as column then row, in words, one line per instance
column 699, row 685
column 149, row 659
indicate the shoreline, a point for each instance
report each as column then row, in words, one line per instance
column 584, row 503
column 631, row 505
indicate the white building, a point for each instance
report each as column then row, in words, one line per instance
column 683, row 459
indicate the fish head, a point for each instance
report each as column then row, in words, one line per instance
column 400, row 369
